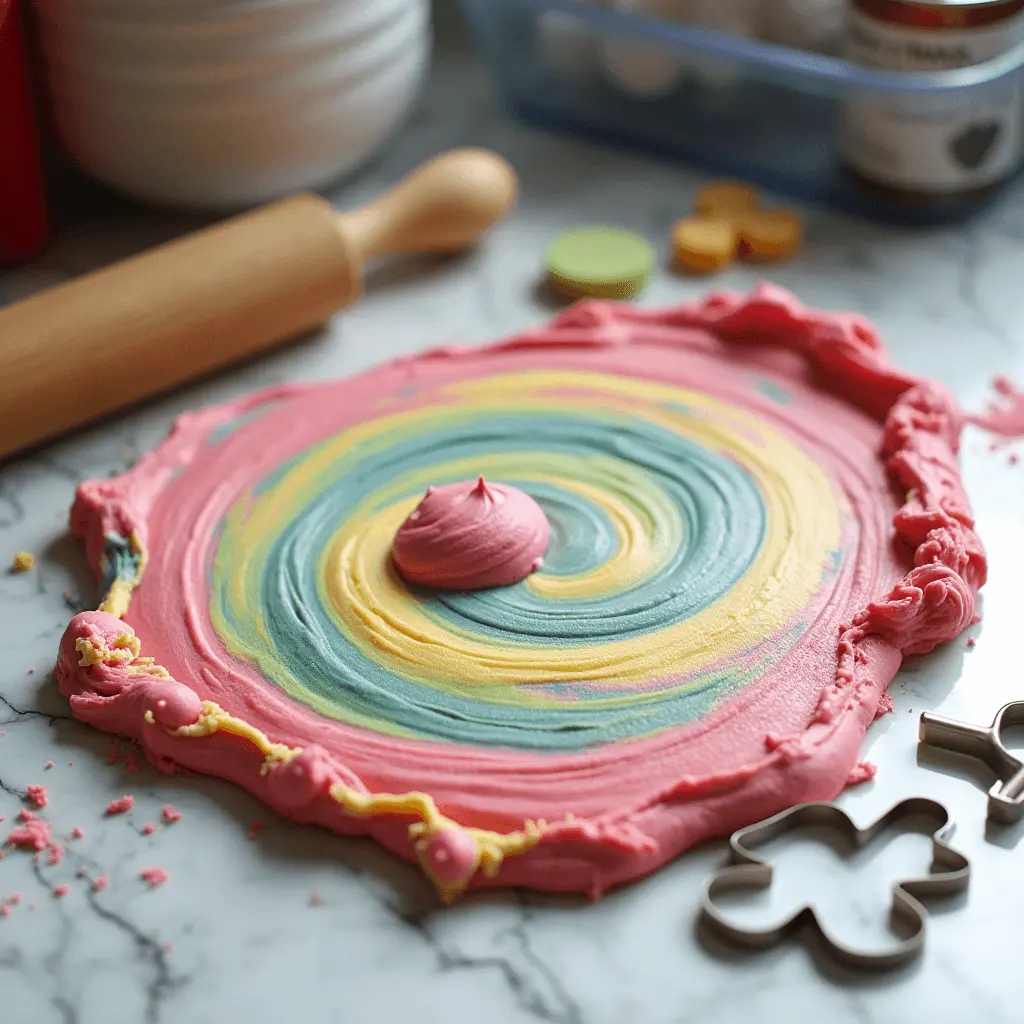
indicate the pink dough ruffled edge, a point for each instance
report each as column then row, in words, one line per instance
column 113, row 687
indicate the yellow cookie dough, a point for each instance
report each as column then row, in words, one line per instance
column 23, row 561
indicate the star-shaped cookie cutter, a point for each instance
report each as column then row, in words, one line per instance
column 949, row 874
column 1006, row 797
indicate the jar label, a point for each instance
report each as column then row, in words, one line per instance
column 938, row 144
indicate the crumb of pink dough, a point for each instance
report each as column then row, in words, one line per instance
column 5, row 910
column 37, row 795
column 153, row 876
column 100, row 883
column 32, row 670
column 863, row 772
column 254, row 830
column 121, row 805
column 78, row 832
column 48, row 765
column 33, row 835
column 3, row 818
column 56, row 854
column 61, row 890
column 885, row 706
column 116, row 753
column 14, row 898
column 1013, row 459
column 148, row 830
column 315, row 899
column 26, row 815
column 170, row 814
column 975, row 620
column 971, row 642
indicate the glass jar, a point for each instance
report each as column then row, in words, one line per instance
column 934, row 147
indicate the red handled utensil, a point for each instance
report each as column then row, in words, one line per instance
column 24, row 221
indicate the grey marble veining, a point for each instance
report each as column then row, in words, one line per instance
column 232, row 936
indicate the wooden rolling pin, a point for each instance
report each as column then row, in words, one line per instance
column 83, row 349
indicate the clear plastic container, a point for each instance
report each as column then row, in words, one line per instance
column 729, row 105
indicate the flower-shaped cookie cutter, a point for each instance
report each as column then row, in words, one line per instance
column 985, row 743
column 949, row 874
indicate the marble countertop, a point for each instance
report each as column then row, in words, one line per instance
column 235, row 933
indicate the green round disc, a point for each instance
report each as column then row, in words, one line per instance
column 599, row 262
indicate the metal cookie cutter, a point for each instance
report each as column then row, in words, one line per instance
column 1006, row 797
column 949, row 873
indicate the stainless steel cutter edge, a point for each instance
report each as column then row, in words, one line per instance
column 985, row 744
column 950, row 873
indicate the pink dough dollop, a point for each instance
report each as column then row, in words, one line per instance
column 468, row 536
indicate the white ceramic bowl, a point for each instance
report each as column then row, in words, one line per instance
column 225, row 103
column 317, row 66
column 301, row 27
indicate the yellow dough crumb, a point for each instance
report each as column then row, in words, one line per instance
column 703, row 245
column 23, row 561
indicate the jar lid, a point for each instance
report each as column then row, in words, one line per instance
column 941, row 14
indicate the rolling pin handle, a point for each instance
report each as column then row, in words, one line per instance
column 444, row 206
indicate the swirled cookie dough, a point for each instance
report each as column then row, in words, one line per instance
column 732, row 574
